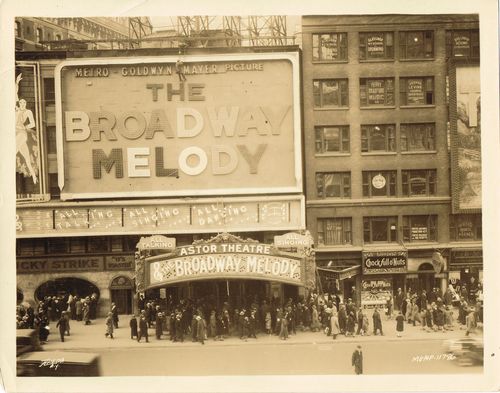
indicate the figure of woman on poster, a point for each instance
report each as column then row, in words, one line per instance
column 25, row 122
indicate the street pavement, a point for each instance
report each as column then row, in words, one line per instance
column 92, row 336
column 331, row 358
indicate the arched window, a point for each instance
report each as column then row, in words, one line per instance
column 39, row 34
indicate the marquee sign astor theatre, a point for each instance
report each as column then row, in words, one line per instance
column 131, row 128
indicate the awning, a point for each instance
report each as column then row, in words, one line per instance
column 339, row 273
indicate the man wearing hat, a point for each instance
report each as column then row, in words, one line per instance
column 357, row 360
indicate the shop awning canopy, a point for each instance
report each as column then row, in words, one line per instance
column 339, row 273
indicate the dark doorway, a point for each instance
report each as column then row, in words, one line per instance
column 64, row 286
column 121, row 294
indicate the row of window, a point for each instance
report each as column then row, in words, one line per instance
column 414, row 183
column 379, row 45
column 413, row 137
column 38, row 33
column 374, row 92
column 415, row 228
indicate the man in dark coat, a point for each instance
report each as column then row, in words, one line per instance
column 61, row 324
column 133, row 327
column 357, row 360
column 114, row 314
column 342, row 319
column 143, row 329
column 159, row 325
column 93, row 306
column 179, row 328
column 377, row 322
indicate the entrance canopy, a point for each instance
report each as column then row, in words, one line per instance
column 339, row 273
column 226, row 257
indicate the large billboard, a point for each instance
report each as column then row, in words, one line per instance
column 178, row 126
column 465, row 128
column 30, row 179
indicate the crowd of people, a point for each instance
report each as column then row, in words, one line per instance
column 60, row 309
column 200, row 319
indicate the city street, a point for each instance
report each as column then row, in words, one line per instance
column 279, row 358
column 303, row 353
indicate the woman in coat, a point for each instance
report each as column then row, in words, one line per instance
column 79, row 309
column 86, row 313
column 351, row 322
column 342, row 315
column 284, row 327
column 334, row 325
column 133, row 327
column 109, row 325
column 201, row 328
column 315, row 325
column 400, row 320
column 114, row 313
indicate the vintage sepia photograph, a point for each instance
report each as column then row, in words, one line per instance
column 244, row 195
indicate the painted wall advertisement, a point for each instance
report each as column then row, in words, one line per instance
column 466, row 142
column 30, row 181
column 215, row 125
column 375, row 292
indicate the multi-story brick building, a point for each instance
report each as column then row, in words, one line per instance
column 379, row 95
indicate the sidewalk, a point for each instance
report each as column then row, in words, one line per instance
column 92, row 337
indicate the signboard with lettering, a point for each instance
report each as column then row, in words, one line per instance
column 156, row 242
column 415, row 91
column 466, row 141
column 131, row 128
column 225, row 260
column 228, row 214
column 375, row 45
column 60, row 264
column 375, row 292
column 119, row 262
column 377, row 262
column 293, row 240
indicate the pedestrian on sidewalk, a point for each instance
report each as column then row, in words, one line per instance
column 315, row 325
column 143, row 328
column 109, row 325
column 415, row 314
column 428, row 318
column 268, row 322
column 359, row 317
column 377, row 322
column 79, row 309
column 61, row 324
column 334, row 325
column 133, row 327
column 470, row 321
column 114, row 315
column 342, row 318
column 448, row 317
column 159, row 325
column 357, row 360
column 201, row 329
column 179, row 330
column 66, row 314
column 86, row 312
column 284, row 327
column 400, row 320
column 351, row 323
column 389, row 307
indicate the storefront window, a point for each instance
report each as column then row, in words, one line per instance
column 420, row 228
column 333, row 184
column 376, row 92
column 463, row 43
column 333, row 139
column 334, row 231
column 378, row 138
column 116, row 244
column 77, row 245
column 331, row 93
column 466, row 227
column 419, row 182
column 58, row 246
column 373, row 46
column 416, row 91
column 418, row 137
column 98, row 244
column 31, row 247
column 379, row 183
column 380, row 229
column 329, row 47
column 416, row 44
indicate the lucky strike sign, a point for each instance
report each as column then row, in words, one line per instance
column 226, row 260
column 220, row 125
